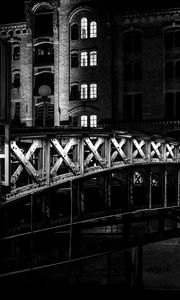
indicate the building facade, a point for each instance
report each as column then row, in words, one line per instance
column 81, row 63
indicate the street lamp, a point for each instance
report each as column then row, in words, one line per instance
column 44, row 91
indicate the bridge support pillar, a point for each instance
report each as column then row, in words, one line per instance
column 107, row 188
column 134, row 267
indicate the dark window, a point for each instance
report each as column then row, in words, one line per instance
column 137, row 42
column 172, row 39
column 168, row 40
column 73, row 121
column 127, row 42
column 43, row 24
column 74, row 32
column 128, row 107
column 74, row 60
column 169, row 99
column 44, row 54
column 17, row 111
column 44, row 114
column 128, row 72
column 16, row 83
column 169, row 70
column 74, row 92
column 132, row 71
column 132, row 42
column 16, row 53
column 137, row 71
column 138, row 107
column 177, row 69
column 177, row 38
column 133, row 107
column 178, row 105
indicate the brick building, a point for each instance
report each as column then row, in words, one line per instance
column 102, row 65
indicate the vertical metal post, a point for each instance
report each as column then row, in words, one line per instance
column 137, row 267
column 81, row 155
column 108, row 152
column 71, row 219
column 165, row 186
column 130, row 189
column 149, row 189
column 46, row 160
column 178, row 186
column 31, row 236
column 7, row 155
column 107, row 191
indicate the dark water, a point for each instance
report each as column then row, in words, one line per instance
column 107, row 274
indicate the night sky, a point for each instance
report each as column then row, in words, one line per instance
column 13, row 10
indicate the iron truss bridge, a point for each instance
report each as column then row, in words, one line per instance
column 41, row 159
column 77, row 193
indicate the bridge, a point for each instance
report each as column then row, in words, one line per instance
column 72, row 193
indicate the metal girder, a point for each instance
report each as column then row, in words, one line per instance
column 25, row 162
column 27, row 156
column 94, row 152
column 119, row 149
column 63, row 152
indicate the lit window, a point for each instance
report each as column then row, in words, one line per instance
column 84, row 91
column 138, row 178
column 93, row 121
column 84, row 121
column 93, row 29
column 93, row 90
column 40, row 52
column 93, row 58
column 84, row 33
column 84, row 59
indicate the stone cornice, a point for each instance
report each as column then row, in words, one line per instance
column 12, row 26
column 148, row 16
column 149, row 12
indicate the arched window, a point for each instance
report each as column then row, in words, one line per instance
column 84, row 59
column 84, row 28
column 93, row 58
column 132, row 42
column 84, row 91
column 84, row 121
column 44, row 54
column 93, row 121
column 172, row 38
column 93, row 29
column 74, row 32
column 93, row 91
column 43, row 21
